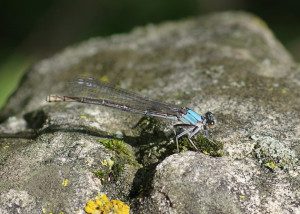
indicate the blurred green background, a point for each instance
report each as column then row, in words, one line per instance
column 32, row 30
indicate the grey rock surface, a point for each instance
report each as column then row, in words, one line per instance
column 52, row 158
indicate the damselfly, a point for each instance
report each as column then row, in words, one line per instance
column 92, row 91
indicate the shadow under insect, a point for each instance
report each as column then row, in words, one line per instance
column 155, row 140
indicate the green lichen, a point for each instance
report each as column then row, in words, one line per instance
column 83, row 116
column 242, row 197
column 272, row 153
column 271, row 165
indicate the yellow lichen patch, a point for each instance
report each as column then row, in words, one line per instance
column 119, row 207
column 242, row 197
column 91, row 207
column 65, row 182
column 104, row 79
column 102, row 205
column 82, row 116
column 271, row 165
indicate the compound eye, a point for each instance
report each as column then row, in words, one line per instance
column 211, row 123
column 210, row 119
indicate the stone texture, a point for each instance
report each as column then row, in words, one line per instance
column 229, row 63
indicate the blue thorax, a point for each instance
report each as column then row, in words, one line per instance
column 191, row 117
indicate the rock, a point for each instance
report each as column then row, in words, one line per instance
column 54, row 157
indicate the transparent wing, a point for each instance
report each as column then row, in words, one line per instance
column 100, row 93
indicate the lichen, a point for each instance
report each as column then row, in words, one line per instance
column 271, row 165
column 65, row 182
column 104, row 79
column 102, row 205
column 273, row 154
column 242, row 197
column 108, row 162
column 83, row 116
